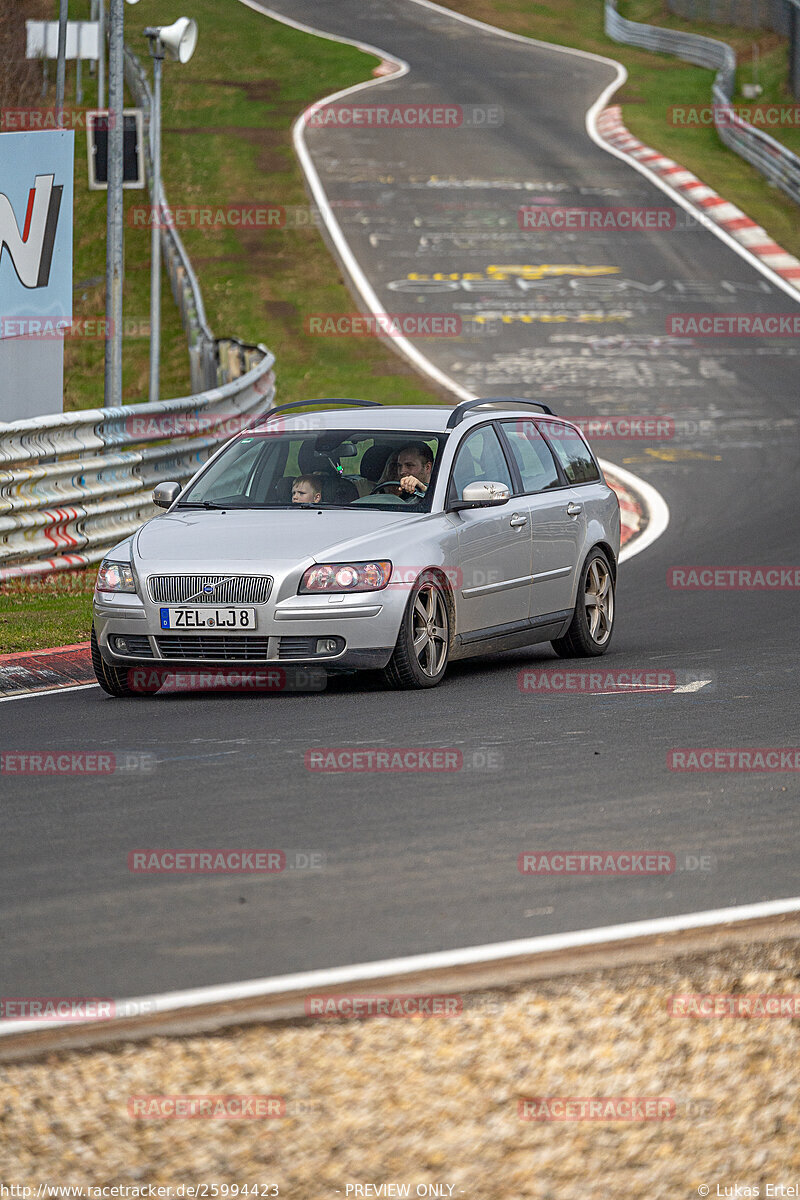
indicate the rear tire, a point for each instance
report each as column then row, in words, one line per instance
column 113, row 679
column 423, row 644
column 592, row 625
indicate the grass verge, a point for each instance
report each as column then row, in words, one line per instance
column 53, row 610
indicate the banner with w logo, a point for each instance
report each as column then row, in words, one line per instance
column 36, row 207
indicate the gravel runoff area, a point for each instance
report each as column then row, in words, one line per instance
column 430, row 1105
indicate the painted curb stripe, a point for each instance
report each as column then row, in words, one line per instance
column 44, row 670
column 610, row 129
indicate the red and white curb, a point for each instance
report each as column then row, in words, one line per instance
column 742, row 228
column 631, row 510
column 45, row 670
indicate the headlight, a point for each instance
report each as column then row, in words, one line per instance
column 346, row 577
column 115, row 577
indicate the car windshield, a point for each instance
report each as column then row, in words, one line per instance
column 328, row 469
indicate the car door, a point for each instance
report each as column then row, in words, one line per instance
column 556, row 515
column 494, row 544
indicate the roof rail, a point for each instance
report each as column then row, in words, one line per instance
column 304, row 404
column 461, row 410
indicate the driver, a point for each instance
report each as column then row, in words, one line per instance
column 414, row 466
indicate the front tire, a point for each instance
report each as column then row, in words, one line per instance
column 423, row 644
column 592, row 624
column 113, row 680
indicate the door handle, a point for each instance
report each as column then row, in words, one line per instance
column 573, row 509
column 518, row 520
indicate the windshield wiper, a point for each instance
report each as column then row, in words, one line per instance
column 202, row 504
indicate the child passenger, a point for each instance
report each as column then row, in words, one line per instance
column 307, row 489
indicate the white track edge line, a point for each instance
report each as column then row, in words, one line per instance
column 57, row 691
column 490, row 953
column 655, row 506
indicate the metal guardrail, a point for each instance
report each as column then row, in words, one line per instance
column 74, row 484
column 780, row 166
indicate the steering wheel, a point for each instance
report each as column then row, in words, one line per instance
column 417, row 494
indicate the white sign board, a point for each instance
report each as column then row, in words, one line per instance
column 83, row 39
column 36, row 213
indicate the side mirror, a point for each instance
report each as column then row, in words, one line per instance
column 482, row 494
column 165, row 494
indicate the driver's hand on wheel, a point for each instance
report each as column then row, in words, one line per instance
column 409, row 483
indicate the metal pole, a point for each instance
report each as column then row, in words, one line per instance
column 114, row 230
column 101, row 61
column 93, row 17
column 78, row 64
column 61, row 66
column 155, row 231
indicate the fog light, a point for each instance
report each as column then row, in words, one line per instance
column 328, row 645
column 120, row 645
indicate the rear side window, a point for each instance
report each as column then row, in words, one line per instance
column 571, row 451
column 533, row 456
column 480, row 456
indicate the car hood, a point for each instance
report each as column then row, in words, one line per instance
column 204, row 539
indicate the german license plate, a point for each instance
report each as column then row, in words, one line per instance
column 208, row 618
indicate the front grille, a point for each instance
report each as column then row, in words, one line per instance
column 137, row 645
column 223, row 648
column 297, row 647
column 232, row 589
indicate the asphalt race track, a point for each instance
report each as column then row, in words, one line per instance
column 423, row 862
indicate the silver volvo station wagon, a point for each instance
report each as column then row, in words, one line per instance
column 366, row 536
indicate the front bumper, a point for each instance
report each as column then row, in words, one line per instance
column 366, row 626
